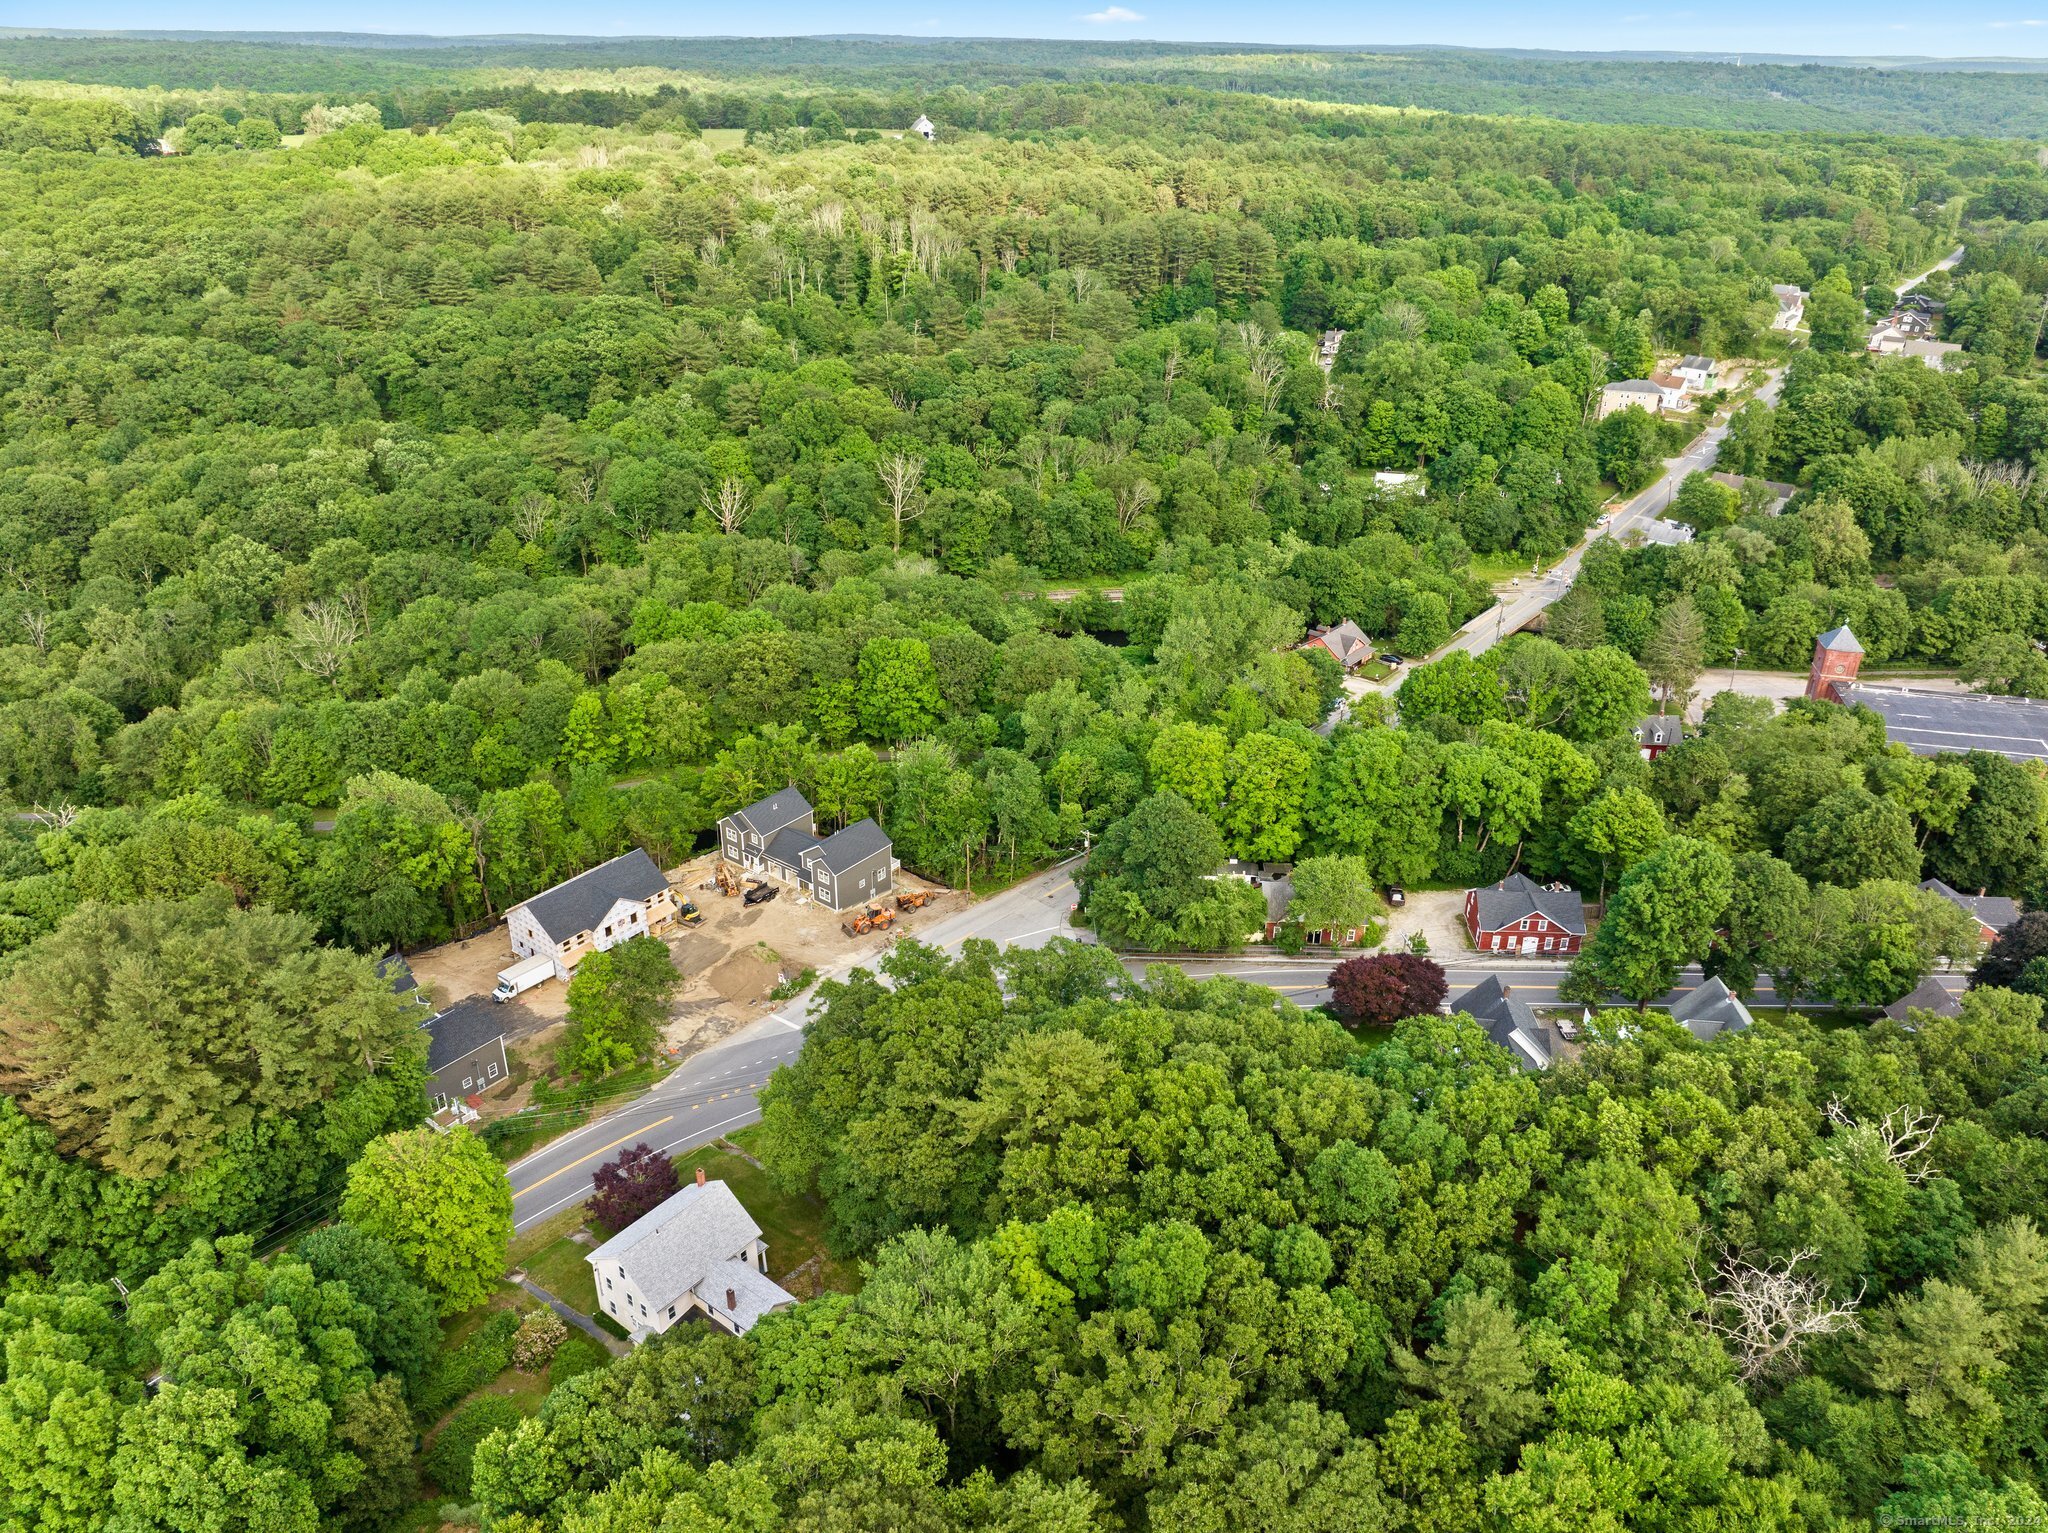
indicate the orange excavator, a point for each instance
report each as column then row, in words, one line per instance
column 915, row 899
column 872, row 919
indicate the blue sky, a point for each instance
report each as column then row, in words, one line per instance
column 1986, row 27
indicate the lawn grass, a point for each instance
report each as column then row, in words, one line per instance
column 793, row 1224
column 562, row 1270
column 557, row 1107
column 1493, row 568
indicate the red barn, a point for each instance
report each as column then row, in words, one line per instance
column 1519, row 915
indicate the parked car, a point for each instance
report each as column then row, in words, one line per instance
column 1392, row 660
column 1396, row 895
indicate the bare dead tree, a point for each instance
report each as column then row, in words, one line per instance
column 322, row 633
column 37, row 626
column 902, row 476
column 58, row 816
column 1904, row 1134
column 728, row 504
column 530, row 516
column 1768, row 1311
column 1172, row 371
column 1133, row 501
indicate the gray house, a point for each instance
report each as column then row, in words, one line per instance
column 1709, row 1009
column 778, row 836
column 465, row 1050
column 1529, row 1040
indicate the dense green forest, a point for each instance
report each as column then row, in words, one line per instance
column 2004, row 100
column 408, row 502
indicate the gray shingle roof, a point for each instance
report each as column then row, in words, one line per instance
column 1840, row 639
column 852, row 847
column 667, row 1251
column 1928, row 995
column 397, row 973
column 754, row 1293
column 1670, row 726
column 768, row 815
column 1634, row 386
column 1710, row 1008
column 788, row 846
column 1508, row 1022
column 462, row 1029
column 1697, row 364
column 1994, row 910
column 1503, row 904
column 579, row 904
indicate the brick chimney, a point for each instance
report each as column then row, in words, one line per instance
column 700, row 1176
column 1836, row 657
column 732, row 1302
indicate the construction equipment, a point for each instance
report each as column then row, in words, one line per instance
column 723, row 875
column 915, row 899
column 689, row 914
column 872, row 919
column 760, row 892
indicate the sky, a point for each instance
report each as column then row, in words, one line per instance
column 1978, row 28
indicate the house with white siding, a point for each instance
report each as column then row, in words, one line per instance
column 614, row 902
column 698, row 1253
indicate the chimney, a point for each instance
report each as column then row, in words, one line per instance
column 732, row 1302
column 700, row 1176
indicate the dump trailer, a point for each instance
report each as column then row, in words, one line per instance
column 915, row 899
column 760, row 892
column 523, row 976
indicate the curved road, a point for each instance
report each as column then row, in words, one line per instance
column 716, row 1092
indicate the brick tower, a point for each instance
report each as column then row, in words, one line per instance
column 1836, row 655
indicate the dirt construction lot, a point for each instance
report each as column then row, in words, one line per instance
column 730, row 961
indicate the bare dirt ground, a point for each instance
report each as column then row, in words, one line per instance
column 730, row 961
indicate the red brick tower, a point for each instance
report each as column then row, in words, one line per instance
column 1836, row 655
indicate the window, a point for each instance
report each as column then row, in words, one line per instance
column 468, row 1081
column 671, row 1312
column 863, row 883
column 491, row 1072
column 607, row 1285
column 607, row 931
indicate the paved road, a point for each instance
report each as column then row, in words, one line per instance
column 1948, row 262
column 714, row 1093
column 1520, row 604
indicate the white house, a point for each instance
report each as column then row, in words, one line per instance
column 1791, row 306
column 1697, row 373
column 614, row 902
column 700, row 1252
column 925, row 128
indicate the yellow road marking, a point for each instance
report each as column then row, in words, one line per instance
column 657, row 1123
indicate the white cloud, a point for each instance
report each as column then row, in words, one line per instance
column 1112, row 15
column 2030, row 22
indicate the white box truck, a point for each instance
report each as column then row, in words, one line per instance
column 522, row 976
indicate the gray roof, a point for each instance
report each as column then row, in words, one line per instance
column 1501, row 905
column 1508, row 1022
column 1994, row 910
column 754, row 1293
column 1710, row 1007
column 1697, row 364
column 1928, row 995
column 1670, row 725
column 1784, row 290
column 788, row 846
column 859, row 843
column 1930, row 723
column 1840, row 639
column 462, row 1029
column 397, row 973
column 580, row 904
column 766, row 816
column 667, row 1251
column 1634, row 386
column 1345, row 640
